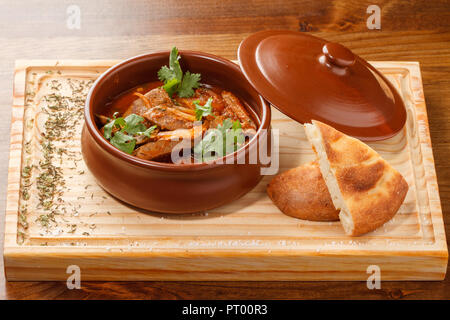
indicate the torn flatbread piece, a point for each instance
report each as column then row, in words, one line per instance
column 363, row 186
column 302, row 193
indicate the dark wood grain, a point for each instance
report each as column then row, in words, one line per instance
column 410, row 30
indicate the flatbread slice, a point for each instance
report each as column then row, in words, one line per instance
column 363, row 186
column 301, row 193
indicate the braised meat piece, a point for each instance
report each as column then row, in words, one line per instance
column 169, row 118
column 156, row 150
column 153, row 98
column 158, row 96
column 235, row 110
column 167, row 140
column 137, row 107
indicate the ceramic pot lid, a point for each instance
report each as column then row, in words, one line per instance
column 308, row 78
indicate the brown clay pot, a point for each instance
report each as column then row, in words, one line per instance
column 166, row 187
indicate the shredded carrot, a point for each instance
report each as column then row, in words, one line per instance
column 186, row 110
column 144, row 99
column 186, row 116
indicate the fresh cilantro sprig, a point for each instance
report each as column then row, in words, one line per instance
column 175, row 81
column 128, row 127
column 190, row 82
column 216, row 143
column 123, row 142
column 203, row 111
column 147, row 132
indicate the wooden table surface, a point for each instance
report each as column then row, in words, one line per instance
column 410, row 30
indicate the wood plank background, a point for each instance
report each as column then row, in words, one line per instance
column 410, row 30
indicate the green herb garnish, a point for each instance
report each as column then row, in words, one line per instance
column 189, row 83
column 128, row 127
column 147, row 132
column 203, row 111
column 227, row 138
column 175, row 81
column 134, row 124
column 123, row 142
column 107, row 129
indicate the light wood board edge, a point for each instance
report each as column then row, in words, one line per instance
column 424, row 139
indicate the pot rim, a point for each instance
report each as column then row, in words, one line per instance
column 99, row 139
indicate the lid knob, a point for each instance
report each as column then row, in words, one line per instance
column 338, row 55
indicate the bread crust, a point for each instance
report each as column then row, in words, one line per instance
column 301, row 193
column 371, row 188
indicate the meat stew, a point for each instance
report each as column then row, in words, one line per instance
column 154, row 120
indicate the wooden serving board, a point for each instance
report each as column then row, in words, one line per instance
column 70, row 220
